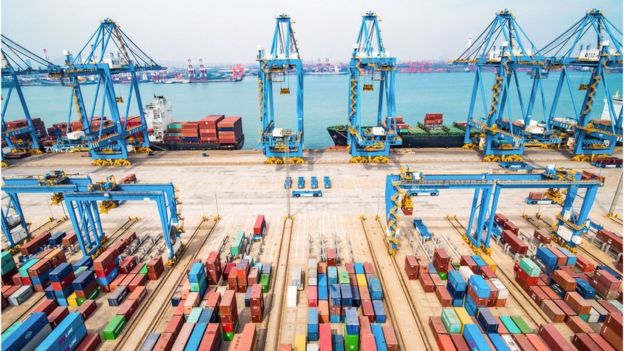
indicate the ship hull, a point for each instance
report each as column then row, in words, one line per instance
column 179, row 146
column 409, row 141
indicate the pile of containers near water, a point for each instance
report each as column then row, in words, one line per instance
column 350, row 295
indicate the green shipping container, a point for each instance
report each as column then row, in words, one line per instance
column 443, row 275
column 524, row 327
column 264, row 281
column 7, row 262
column 79, row 301
column 352, row 342
column 10, row 330
column 143, row 269
column 228, row 336
column 94, row 294
column 451, row 321
column 113, row 328
column 530, row 267
column 584, row 317
column 237, row 244
column 511, row 327
column 343, row 277
column 23, row 271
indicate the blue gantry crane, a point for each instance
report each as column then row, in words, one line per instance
column 81, row 196
column 504, row 48
column 110, row 56
column 277, row 66
column 17, row 62
column 487, row 187
column 370, row 63
column 592, row 44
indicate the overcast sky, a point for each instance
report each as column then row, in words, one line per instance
column 229, row 31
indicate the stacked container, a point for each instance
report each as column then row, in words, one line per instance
column 61, row 279
column 230, row 130
column 228, row 313
column 106, row 268
column 197, row 278
column 208, row 128
column 213, row 268
column 190, row 131
column 259, row 227
column 256, row 303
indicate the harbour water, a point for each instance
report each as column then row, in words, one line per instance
column 325, row 101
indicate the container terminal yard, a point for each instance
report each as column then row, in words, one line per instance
column 496, row 245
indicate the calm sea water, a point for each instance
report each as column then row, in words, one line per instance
column 325, row 101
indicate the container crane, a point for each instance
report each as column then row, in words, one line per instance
column 279, row 144
column 503, row 47
column 487, row 187
column 591, row 137
column 190, row 69
column 18, row 61
column 371, row 62
column 108, row 143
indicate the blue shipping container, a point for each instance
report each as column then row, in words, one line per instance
column 334, row 294
column 486, row 319
column 346, row 296
column 60, row 272
column 470, row 305
column 150, row 342
column 374, row 288
column 56, row 238
column 322, row 280
column 332, row 275
column 584, row 289
column 337, row 342
column 207, row 316
column 322, row 292
column 474, row 338
column 196, row 337
column 355, row 293
column 571, row 261
column 25, row 332
column 547, row 257
column 380, row 311
column 85, row 261
column 456, row 280
column 478, row 260
column 358, row 267
column 498, row 342
column 380, row 340
column 479, row 286
column 352, row 321
column 67, row 335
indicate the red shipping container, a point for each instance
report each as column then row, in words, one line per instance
column 537, row 294
column 139, row 280
column 246, row 340
column 436, row 325
column 584, row 342
column 459, row 342
column 165, row 342
column 466, row 260
column 523, row 342
column 500, row 218
column 87, row 309
column 509, row 225
column 91, row 342
column 391, row 340
column 174, row 325
column 550, row 293
column 443, row 296
column 325, row 337
column 564, row 280
column 553, row 311
column 57, row 316
column 412, row 268
column 127, row 309
column 577, row 325
column 211, row 338
column 259, row 225
column 331, row 257
column 445, row 343
column 369, row 268
column 427, row 283
column 227, row 307
column 584, row 264
column 46, row 306
column 367, row 310
column 601, row 342
column 537, row 342
column 565, row 308
column 515, row 243
column 138, row 294
column 183, row 336
column 553, row 338
column 542, row 235
column 577, row 303
column 312, row 296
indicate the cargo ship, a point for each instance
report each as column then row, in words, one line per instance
column 429, row 134
column 209, row 133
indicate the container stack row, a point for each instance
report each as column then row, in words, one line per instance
column 350, row 298
column 210, row 129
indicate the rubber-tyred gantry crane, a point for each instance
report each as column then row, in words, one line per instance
column 107, row 54
column 504, row 48
column 276, row 66
column 592, row 44
column 370, row 63
column 571, row 222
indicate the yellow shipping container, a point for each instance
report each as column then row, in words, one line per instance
column 71, row 300
column 300, row 343
column 464, row 317
column 489, row 262
column 361, row 280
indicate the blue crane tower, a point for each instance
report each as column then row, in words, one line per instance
column 18, row 61
column 371, row 62
column 592, row 44
column 109, row 55
column 280, row 144
column 504, row 48
column 81, row 196
column 571, row 222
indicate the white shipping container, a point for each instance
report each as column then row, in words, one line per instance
column 312, row 347
column 593, row 316
column 21, row 295
column 466, row 272
column 503, row 292
column 296, row 278
column 291, row 297
column 510, row 343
